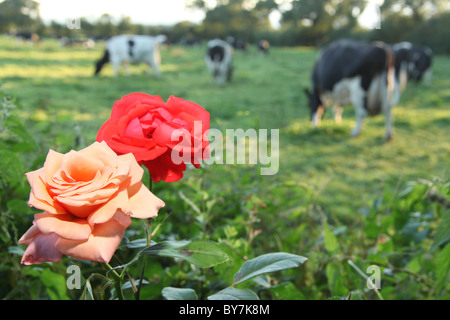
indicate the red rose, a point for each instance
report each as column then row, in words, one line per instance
column 151, row 129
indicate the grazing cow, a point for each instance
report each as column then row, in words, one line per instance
column 190, row 42
column 411, row 64
column 72, row 42
column 124, row 49
column 237, row 44
column 402, row 52
column 420, row 64
column 354, row 73
column 30, row 37
column 263, row 46
column 219, row 60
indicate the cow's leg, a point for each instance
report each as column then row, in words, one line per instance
column 387, row 111
column 427, row 76
column 337, row 110
column 125, row 68
column 221, row 74
column 153, row 62
column 153, row 65
column 389, row 128
column 357, row 99
column 229, row 73
column 360, row 114
column 116, row 67
column 115, row 62
column 317, row 116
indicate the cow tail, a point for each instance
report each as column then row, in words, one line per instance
column 101, row 62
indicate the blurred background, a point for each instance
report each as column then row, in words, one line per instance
column 281, row 22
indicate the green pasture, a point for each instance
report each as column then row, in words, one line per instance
column 334, row 198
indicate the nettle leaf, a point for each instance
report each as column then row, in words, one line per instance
column 443, row 266
column 330, row 240
column 270, row 262
column 11, row 167
column 87, row 293
column 171, row 293
column 442, row 231
column 201, row 253
column 231, row 293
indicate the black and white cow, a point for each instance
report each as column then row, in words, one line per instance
column 348, row 72
column 125, row 49
column 237, row 44
column 263, row 46
column 29, row 37
column 417, row 59
column 412, row 63
column 219, row 58
column 402, row 53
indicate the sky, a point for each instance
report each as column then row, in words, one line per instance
column 148, row 12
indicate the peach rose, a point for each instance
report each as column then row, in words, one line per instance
column 89, row 197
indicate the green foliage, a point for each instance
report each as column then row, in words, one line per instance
column 178, row 294
column 203, row 254
column 267, row 263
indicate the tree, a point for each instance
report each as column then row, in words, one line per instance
column 229, row 20
column 318, row 20
column 19, row 15
column 418, row 10
column 105, row 26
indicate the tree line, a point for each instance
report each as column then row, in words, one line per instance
column 302, row 22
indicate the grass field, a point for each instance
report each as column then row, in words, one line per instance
column 324, row 175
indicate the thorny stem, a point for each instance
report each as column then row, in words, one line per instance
column 117, row 281
column 148, row 233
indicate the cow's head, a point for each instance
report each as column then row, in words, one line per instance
column 420, row 61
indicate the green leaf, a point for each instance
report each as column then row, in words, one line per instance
column 286, row 291
column 11, row 168
column 335, row 280
column 443, row 266
column 330, row 240
column 55, row 284
column 171, row 293
column 270, row 262
column 442, row 231
column 87, row 293
column 202, row 253
column 231, row 293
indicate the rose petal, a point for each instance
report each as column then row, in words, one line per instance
column 42, row 249
column 65, row 226
column 52, row 162
column 100, row 246
column 163, row 168
column 29, row 235
column 122, row 107
column 134, row 129
column 144, row 204
column 188, row 111
column 80, row 207
column 135, row 170
column 171, row 135
column 39, row 195
column 122, row 219
column 80, row 167
column 106, row 212
column 102, row 152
